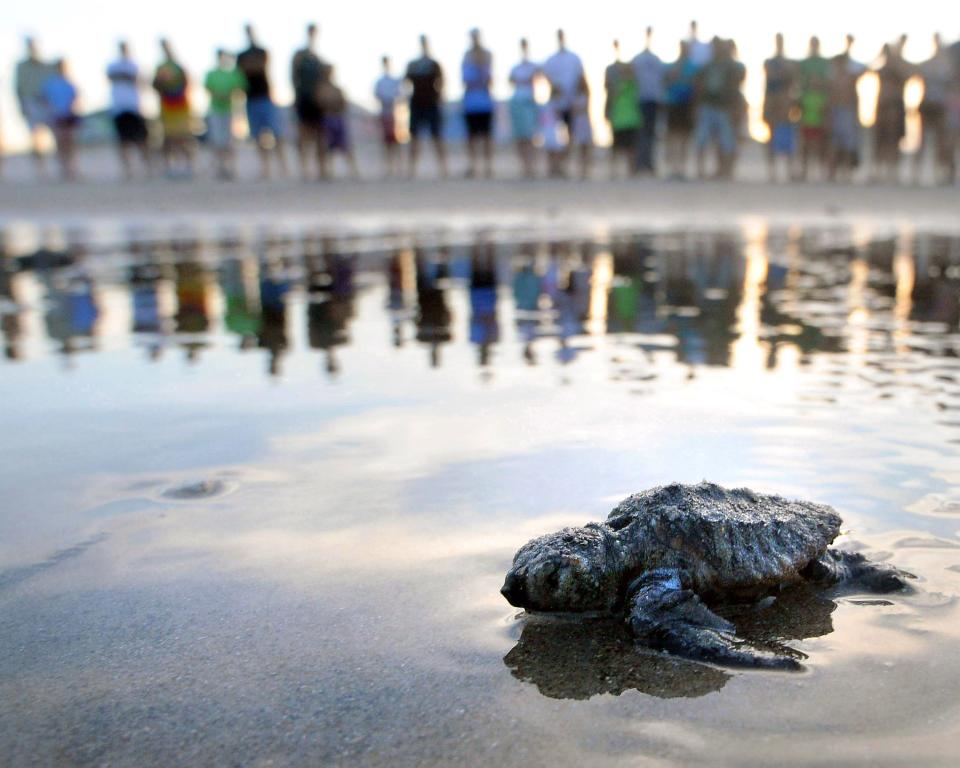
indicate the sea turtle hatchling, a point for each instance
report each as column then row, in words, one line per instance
column 665, row 554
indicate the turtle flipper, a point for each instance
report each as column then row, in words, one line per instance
column 853, row 570
column 662, row 614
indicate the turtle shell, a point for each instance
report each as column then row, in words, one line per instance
column 723, row 540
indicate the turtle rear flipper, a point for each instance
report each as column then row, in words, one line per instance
column 662, row 614
column 852, row 570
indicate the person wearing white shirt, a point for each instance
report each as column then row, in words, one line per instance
column 564, row 71
column 387, row 91
column 131, row 128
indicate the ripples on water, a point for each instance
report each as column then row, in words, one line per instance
column 394, row 414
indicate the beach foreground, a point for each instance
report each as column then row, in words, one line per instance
column 270, row 447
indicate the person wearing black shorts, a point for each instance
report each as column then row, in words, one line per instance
column 426, row 81
column 128, row 121
column 308, row 73
column 478, row 104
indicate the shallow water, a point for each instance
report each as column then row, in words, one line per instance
column 261, row 491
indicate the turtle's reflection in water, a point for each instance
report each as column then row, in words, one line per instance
column 570, row 658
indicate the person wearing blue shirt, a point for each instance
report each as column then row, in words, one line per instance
column 60, row 97
column 478, row 104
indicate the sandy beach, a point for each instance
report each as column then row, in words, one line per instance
column 504, row 201
column 261, row 489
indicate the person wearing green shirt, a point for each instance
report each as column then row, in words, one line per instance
column 814, row 84
column 622, row 110
column 223, row 84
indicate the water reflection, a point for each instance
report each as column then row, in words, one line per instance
column 579, row 659
column 752, row 300
column 574, row 659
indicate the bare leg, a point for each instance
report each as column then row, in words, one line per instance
column 414, row 155
column 472, row 142
column 487, row 146
column 585, row 161
column 125, row 162
column 264, row 155
column 281, row 153
column 352, row 164
column 441, row 155
column 39, row 163
column 304, row 139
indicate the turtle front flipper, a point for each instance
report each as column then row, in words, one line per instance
column 852, row 570
column 662, row 614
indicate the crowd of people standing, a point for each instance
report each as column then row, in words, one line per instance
column 693, row 105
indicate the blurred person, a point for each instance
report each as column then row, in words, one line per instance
column 678, row 96
column 172, row 86
column 426, row 97
column 890, row 126
column 60, row 96
column 307, row 72
column 581, row 129
column 433, row 317
column 476, row 71
column 717, row 91
column 387, row 91
column 524, row 109
column 564, row 71
column 225, row 83
column 263, row 118
column 30, row 76
column 953, row 112
column 128, row 121
column 649, row 70
column 623, row 111
column 701, row 51
column 335, row 107
column 779, row 99
column 935, row 129
column 843, row 136
column 814, row 72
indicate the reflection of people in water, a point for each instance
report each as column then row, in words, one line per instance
column 526, row 299
column 73, row 314
column 573, row 305
column 240, row 281
column 702, row 292
column 145, row 281
column 433, row 314
column 193, row 306
column 274, row 286
column 401, row 277
column 10, row 312
column 623, row 300
column 935, row 297
column 330, row 307
column 484, row 329
column 579, row 658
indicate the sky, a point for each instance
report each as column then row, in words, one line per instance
column 353, row 35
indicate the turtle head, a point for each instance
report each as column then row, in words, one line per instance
column 573, row 570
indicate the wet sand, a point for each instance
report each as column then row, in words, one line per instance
column 202, row 564
column 505, row 201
